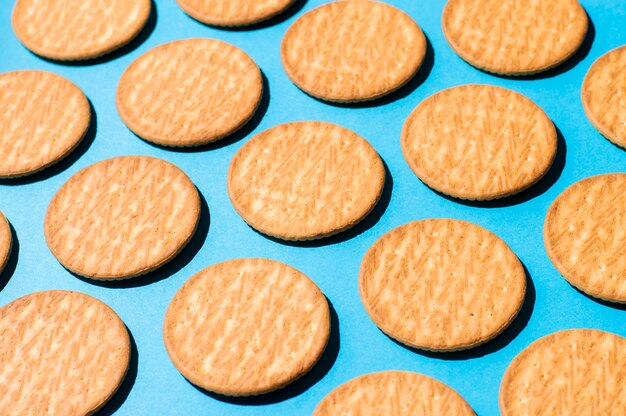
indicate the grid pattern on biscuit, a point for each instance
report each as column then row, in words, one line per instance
column 5, row 241
column 122, row 217
column 604, row 95
column 189, row 92
column 78, row 29
column 61, row 353
column 397, row 393
column 305, row 180
column 246, row 326
column 441, row 284
column 515, row 36
column 43, row 117
column 574, row 372
column 233, row 12
column 352, row 50
column 585, row 235
column 479, row 142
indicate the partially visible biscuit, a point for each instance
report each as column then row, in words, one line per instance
column 441, row 284
column 604, row 95
column 349, row 51
column 397, row 393
column 573, row 372
column 246, row 327
column 189, row 92
column 122, row 217
column 305, row 180
column 515, row 37
column 585, row 235
column 71, row 30
column 233, row 12
column 44, row 117
column 6, row 241
column 61, row 353
column 479, row 142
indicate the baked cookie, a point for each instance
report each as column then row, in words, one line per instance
column 479, row 142
column 6, row 241
column 122, row 217
column 305, row 180
column 441, row 284
column 233, row 12
column 246, row 327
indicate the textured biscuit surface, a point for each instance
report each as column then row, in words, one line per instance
column 43, row 118
column 246, row 327
column 441, row 284
column 397, row 393
column 604, row 95
column 61, row 353
column 573, row 372
column 233, row 12
column 122, row 217
column 515, row 37
column 6, row 241
column 305, row 180
column 585, row 235
column 189, row 92
column 350, row 51
column 78, row 29
column 479, row 142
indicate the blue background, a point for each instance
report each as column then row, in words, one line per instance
column 154, row 386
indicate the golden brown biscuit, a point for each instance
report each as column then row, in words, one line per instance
column 6, row 241
column 575, row 372
column 61, row 353
column 604, row 95
column 43, row 118
column 78, row 29
column 189, row 92
column 584, row 236
column 441, row 284
column 305, row 180
column 348, row 51
column 397, row 393
column 479, row 142
column 233, row 12
column 122, row 217
column 514, row 37
column 246, row 327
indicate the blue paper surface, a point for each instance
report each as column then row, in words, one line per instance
column 154, row 386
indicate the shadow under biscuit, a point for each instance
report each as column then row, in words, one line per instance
column 614, row 305
column 11, row 264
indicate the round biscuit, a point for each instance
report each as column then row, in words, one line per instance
column 189, row 92
column 44, row 117
column 585, row 234
column 305, row 180
column 441, row 284
column 515, row 37
column 6, row 241
column 350, row 51
column 71, row 30
column 234, row 12
column 604, row 95
column 61, row 353
column 398, row 393
column 122, row 217
column 571, row 372
column 246, row 327
column 479, row 142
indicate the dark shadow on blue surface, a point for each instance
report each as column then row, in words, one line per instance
column 368, row 222
column 545, row 183
column 170, row 268
column 244, row 131
column 117, row 53
column 496, row 344
column 66, row 162
column 417, row 80
column 11, row 264
column 614, row 305
column 122, row 393
column 298, row 387
column 279, row 18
